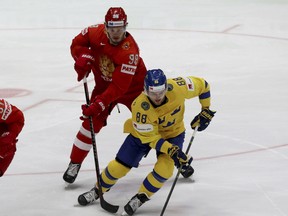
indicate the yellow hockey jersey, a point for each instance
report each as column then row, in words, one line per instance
column 153, row 125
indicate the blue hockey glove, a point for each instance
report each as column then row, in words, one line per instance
column 202, row 119
column 179, row 157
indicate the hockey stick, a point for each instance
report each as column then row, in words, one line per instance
column 105, row 205
column 178, row 173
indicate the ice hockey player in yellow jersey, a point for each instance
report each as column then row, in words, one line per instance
column 157, row 123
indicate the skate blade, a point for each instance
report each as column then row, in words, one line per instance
column 124, row 214
column 67, row 184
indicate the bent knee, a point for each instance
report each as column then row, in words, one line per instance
column 116, row 169
column 164, row 166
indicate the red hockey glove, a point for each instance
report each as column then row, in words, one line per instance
column 94, row 109
column 179, row 157
column 7, row 144
column 83, row 65
column 8, row 137
column 202, row 119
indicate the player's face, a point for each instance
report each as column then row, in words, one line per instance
column 116, row 34
column 157, row 97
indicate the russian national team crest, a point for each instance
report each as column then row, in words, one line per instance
column 126, row 45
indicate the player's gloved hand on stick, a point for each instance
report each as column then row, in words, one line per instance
column 94, row 109
column 83, row 65
column 202, row 119
column 179, row 157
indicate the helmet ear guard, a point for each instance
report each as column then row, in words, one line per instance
column 115, row 17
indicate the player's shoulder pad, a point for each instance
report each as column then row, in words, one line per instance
column 145, row 105
column 141, row 103
column 91, row 28
column 173, row 83
column 129, row 45
column 184, row 82
column 170, row 87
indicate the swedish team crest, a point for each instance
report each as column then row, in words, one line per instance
column 145, row 105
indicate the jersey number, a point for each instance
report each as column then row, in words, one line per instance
column 133, row 59
column 141, row 117
column 180, row 81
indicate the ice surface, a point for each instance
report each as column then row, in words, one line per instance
column 239, row 47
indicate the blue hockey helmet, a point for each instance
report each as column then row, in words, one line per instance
column 155, row 81
column 155, row 85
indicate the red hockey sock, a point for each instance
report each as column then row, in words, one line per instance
column 78, row 155
column 81, row 148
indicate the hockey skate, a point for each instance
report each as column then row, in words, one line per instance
column 71, row 172
column 186, row 173
column 88, row 197
column 135, row 202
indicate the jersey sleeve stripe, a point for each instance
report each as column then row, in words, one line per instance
column 159, row 144
column 204, row 95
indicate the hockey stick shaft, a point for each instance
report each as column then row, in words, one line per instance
column 178, row 173
column 105, row 205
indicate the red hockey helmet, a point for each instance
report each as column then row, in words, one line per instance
column 115, row 17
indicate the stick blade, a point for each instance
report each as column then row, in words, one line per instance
column 109, row 207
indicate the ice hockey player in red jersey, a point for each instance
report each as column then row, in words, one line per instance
column 112, row 54
column 11, row 124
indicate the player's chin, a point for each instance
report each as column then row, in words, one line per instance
column 116, row 40
column 157, row 102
